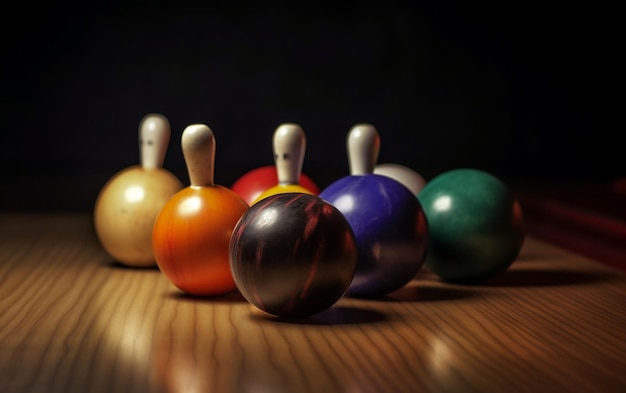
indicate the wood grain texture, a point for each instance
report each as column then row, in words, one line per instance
column 71, row 320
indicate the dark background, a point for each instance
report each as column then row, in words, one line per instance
column 522, row 89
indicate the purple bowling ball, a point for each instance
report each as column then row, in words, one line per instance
column 390, row 230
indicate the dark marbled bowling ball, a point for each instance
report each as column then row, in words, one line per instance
column 476, row 225
column 390, row 228
column 292, row 255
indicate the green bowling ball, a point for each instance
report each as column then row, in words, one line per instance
column 476, row 225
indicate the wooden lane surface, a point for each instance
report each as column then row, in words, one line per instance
column 72, row 321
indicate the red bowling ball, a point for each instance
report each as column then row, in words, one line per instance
column 292, row 255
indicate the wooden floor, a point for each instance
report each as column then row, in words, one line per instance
column 71, row 320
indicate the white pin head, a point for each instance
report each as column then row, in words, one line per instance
column 198, row 145
column 154, row 137
column 363, row 148
column 289, row 147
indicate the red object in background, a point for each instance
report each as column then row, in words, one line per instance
column 587, row 219
column 619, row 186
column 252, row 184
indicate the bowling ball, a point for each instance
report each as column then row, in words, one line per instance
column 405, row 175
column 281, row 189
column 126, row 208
column 191, row 235
column 292, row 255
column 250, row 185
column 476, row 225
column 390, row 229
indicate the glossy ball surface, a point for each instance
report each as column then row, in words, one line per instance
column 191, row 235
column 293, row 255
column 281, row 189
column 476, row 225
column 253, row 183
column 125, row 210
column 390, row 230
column 405, row 175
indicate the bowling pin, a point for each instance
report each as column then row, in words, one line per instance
column 289, row 145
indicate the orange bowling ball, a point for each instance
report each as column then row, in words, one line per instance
column 191, row 238
column 191, row 234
